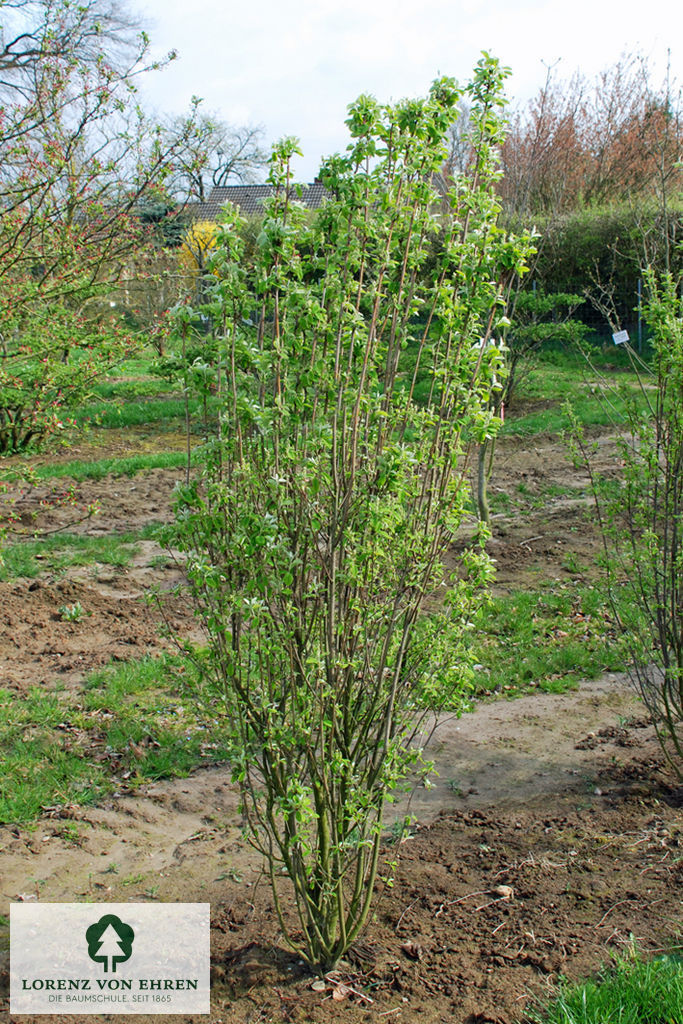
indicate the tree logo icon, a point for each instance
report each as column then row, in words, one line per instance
column 110, row 942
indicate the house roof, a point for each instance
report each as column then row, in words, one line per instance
column 249, row 198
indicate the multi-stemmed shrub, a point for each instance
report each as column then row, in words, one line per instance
column 327, row 501
column 640, row 514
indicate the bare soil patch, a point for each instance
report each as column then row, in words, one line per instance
column 551, row 836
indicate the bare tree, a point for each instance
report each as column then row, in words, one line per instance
column 34, row 32
column 543, row 158
column 211, row 153
column 580, row 143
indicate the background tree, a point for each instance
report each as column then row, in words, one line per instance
column 596, row 168
column 36, row 32
column 77, row 160
column 543, row 159
column 579, row 144
column 211, row 153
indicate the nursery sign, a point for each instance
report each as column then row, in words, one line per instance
column 620, row 338
column 109, row 958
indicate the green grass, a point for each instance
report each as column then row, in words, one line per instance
column 131, row 387
column 137, row 366
column 41, row 767
column 522, row 498
column 546, row 640
column 137, row 413
column 96, row 470
column 133, row 723
column 589, row 412
column 60, row 551
column 553, row 384
column 635, row 991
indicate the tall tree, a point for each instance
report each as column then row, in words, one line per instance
column 35, row 31
column 77, row 155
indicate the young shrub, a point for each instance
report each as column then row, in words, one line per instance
column 329, row 498
column 640, row 515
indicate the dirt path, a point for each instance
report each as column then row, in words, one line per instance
column 502, row 755
column 563, row 769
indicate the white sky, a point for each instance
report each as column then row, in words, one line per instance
column 293, row 66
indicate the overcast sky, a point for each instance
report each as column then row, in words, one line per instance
column 293, row 66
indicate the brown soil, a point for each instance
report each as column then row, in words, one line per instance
column 562, row 800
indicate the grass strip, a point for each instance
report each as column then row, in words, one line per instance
column 634, row 991
column 56, row 552
column 555, row 421
column 136, row 413
column 557, row 385
column 131, row 388
column 129, row 465
column 545, row 640
column 132, row 724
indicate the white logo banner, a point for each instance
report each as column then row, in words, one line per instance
column 109, row 958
